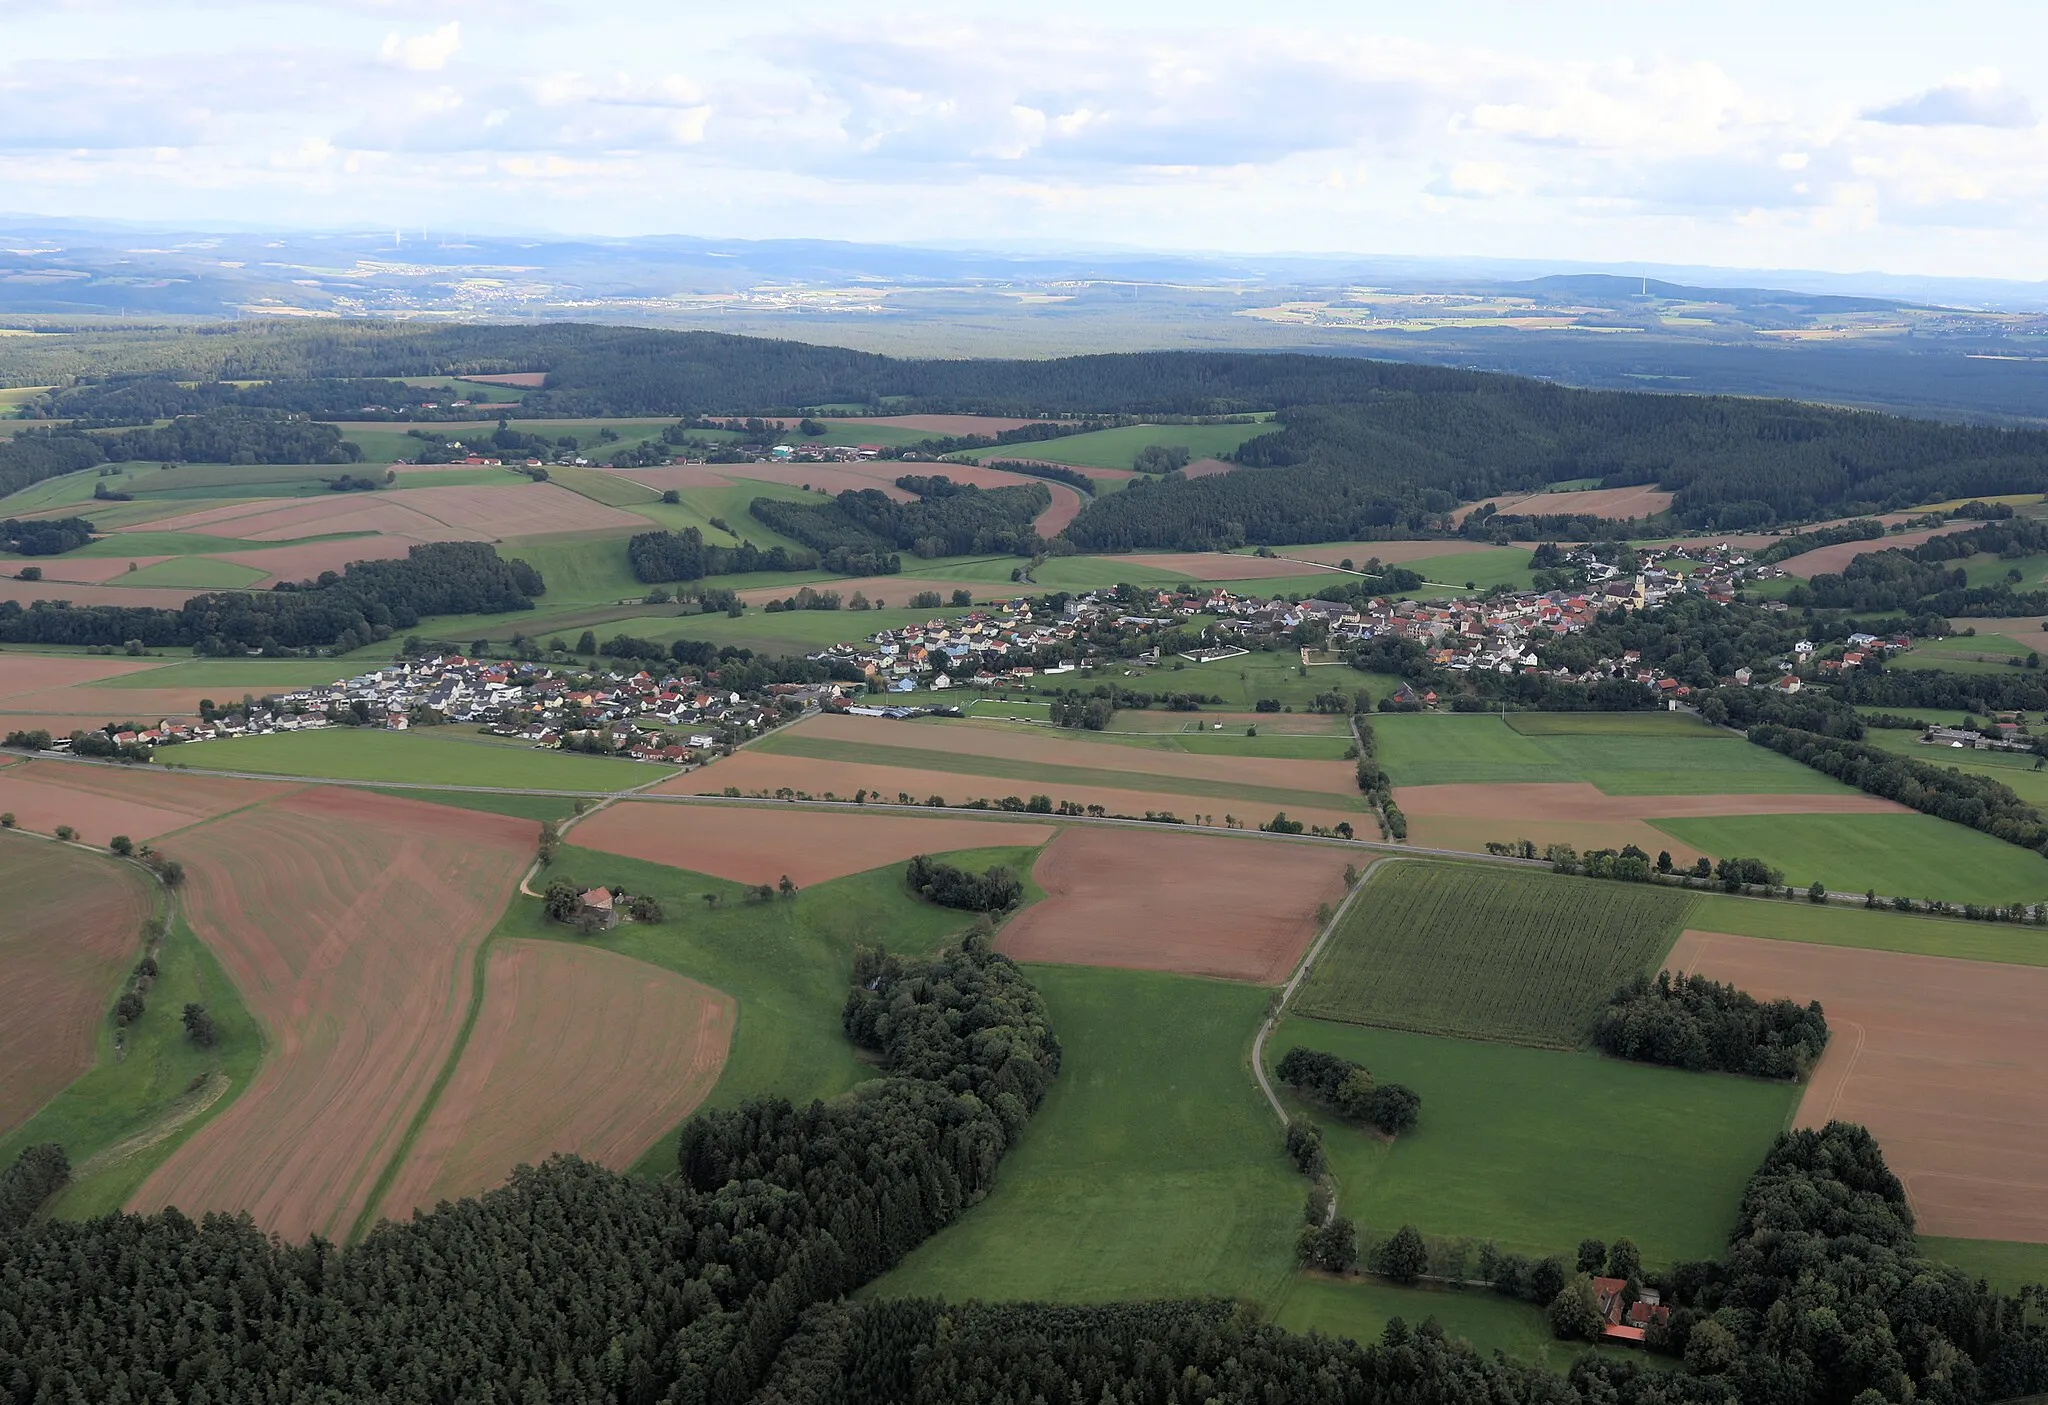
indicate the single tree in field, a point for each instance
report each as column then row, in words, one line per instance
column 788, row 888
column 199, row 1027
column 561, row 900
column 128, row 1009
column 586, row 642
column 66, row 833
column 1592, row 1256
column 1624, row 1260
column 121, row 844
column 1818, row 893
column 1403, row 1258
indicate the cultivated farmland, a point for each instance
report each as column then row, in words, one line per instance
column 1488, row 953
column 1200, row 904
column 1910, row 855
column 1945, row 1061
column 575, row 1050
column 101, row 801
column 72, row 926
column 350, row 922
column 760, row 844
column 431, row 756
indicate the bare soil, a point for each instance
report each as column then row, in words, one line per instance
column 1641, row 501
column 575, row 1050
column 32, row 673
column 753, row 844
column 1392, row 553
column 349, row 921
column 523, row 380
column 72, row 926
column 1199, row 904
column 1829, row 559
column 1946, row 1061
column 103, row 801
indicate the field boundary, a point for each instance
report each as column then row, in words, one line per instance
column 1301, row 970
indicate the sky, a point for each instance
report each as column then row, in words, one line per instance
column 1843, row 135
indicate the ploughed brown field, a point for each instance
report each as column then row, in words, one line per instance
column 1050, row 749
column 1945, row 1061
column 103, row 801
column 70, row 925
column 1221, row 565
column 1468, row 817
column 349, row 922
column 756, row 844
column 1201, row 904
column 893, row 591
column 1640, row 501
column 753, row 770
column 1828, row 559
column 154, row 597
column 23, row 674
column 1200, row 468
column 576, row 1049
column 421, row 514
column 524, row 380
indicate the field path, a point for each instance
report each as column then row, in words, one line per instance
column 1308, row 960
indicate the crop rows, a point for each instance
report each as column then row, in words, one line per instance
column 1520, row 956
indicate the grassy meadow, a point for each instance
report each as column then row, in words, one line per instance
column 452, row 756
column 1902, row 855
column 1360, row 1308
column 230, row 678
column 1489, row 953
column 1851, row 924
column 1153, row 1169
column 1510, row 1138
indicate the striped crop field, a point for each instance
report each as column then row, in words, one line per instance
column 1489, row 953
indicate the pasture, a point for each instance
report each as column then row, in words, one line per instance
column 1473, row 570
column 1507, row 1136
column 2006, row 1266
column 1910, row 855
column 230, row 678
column 352, row 924
column 194, row 573
column 1360, row 1308
column 1488, row 953
column 1153, row 1168
column 1634, row 754
column 453, row 755
column 1853, row 925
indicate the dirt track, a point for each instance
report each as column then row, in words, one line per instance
column 576, row 1049
column 1200, row 904
column 760, row 845
column 349, row 921
column 1945, row 1061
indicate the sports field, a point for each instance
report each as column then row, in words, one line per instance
column 1910, row 855
column 1489, row 953
column 455, row 755
column 1507, row 1136
column 1153, row 1168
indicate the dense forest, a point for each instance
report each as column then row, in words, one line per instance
column 1697, row 1023
column 218, row 436
column 366, row 602
column 947, row 519
column 1362, row 448
column 660, row 557
column 44, row 536
column 570, row 1282
column 141, row 399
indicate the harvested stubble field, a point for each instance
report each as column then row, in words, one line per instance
column 575, row 1049
column 758, row 844
column 1831, row 559
column 101, row 801
column 1944, row 1060
column 1050, row 753
column 421, row 514
column 1488, row 953
column 1639, row 501
column 25, row 674
column 754, row 772
column 1199, row 904
column 350, row 922
column 72, row 925
column 1390, row 553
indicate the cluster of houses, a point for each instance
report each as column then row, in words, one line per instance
column 642, row 715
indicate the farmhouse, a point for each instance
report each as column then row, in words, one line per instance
column 1625, row 1321
column 597, row 906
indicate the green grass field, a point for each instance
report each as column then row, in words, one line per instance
column 607, row 488
column 1116, row 448
column 1044, row 776
column 1915, row 856
column 1473, row 570
column 2013, row 769
column 1229, row 741
column 194, row 573
column 1531, row 1148
column 1360, row 1308
column 2005, row 1266
column 120, row 1099
column 1626, row 754
column 540, row 808
column 1993, row 569
column 147, row 543
column 593, row 571
column 1490, row 953
column 429, row 756
column 1241, row 682
column 1153, row 1169
column 1855, row 925
column 460, row 478
column 225, row 679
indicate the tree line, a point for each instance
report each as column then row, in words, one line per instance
column 995, row 889
column 1919, row 580
column 660, row 557
column 45, row 536
column 947, row 519
column 363, row 603
column 571, row 1281
column 1698, row 1023
column 1348, row 1089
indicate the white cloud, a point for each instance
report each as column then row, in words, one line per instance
column 424, row 53
column 1979, row 99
